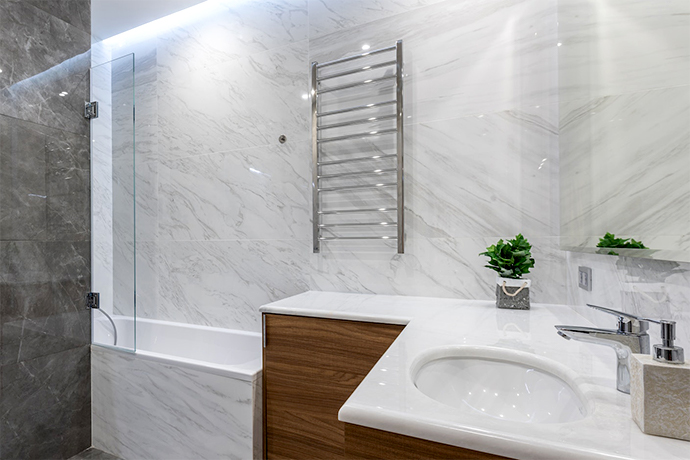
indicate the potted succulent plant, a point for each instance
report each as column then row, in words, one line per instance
column 511, row 260
column 610, row 241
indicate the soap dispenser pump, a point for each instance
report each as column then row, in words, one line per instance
column 667, row 352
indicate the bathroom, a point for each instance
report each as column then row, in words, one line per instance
column 249, row 307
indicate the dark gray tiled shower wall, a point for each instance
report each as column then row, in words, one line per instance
column 45, row 254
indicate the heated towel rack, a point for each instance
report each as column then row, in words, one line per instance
column 357, row 136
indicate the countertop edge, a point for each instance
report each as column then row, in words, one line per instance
column 467, row 437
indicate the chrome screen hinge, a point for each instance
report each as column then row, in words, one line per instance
column 93, row 300
column 90, row 110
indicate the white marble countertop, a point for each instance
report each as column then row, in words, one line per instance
column 387, row 398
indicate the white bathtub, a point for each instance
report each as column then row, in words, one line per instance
column 187, row 392
column 225, row 352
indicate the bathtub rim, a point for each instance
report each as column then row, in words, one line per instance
column 239, row 372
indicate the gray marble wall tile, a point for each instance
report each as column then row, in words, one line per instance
column 41, row 298
column 67, row 187
column 44, row 229
column 54, row 97
column 23, row 191
column 45, row 183
column 145, row 409
column 34, row 41
column 74, row 12
column 46, row 406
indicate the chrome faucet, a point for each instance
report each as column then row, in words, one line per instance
column 630, row 337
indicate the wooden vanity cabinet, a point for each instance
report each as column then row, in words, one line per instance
column 311, row 366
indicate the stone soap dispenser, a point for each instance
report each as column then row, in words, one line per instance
column 660, row 388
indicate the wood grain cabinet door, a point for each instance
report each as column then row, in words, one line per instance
column 311, row 367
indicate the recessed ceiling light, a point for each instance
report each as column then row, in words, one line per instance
column 365, row 47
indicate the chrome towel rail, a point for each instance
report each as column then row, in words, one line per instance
column 380, row 123
column 362, row 69
column 353, row 109
column 357, row 56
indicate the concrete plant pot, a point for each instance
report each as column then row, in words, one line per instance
column 512, row 294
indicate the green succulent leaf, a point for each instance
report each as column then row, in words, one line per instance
column 610, row 241
column 511, row 258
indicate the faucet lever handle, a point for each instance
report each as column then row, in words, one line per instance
column 626, row 322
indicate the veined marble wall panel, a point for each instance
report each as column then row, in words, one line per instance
column 255, row 193
column 145, row 409
column 45, row 255
column 227, row 210
column 245, row 102
column 625, row 166
column 224, row 282
column 231, row 30
column 326, row 17
column 485, row 175
column 463, row 58
column 654, row 289
column 624, row 69
column 622, row 46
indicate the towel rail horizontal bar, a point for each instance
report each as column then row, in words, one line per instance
column 355, row 211
column 357, row 56
column 357, row 173
column 326, row 238
column 354, row 109
column 358, row 135
column 355, row 160
column 355, row 85
column 354, row 71
column 361, row 224
column 357, row 187
column 360, row 121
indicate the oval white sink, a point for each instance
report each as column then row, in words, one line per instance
column 490, row 383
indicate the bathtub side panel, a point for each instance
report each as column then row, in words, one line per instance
column 144, row 409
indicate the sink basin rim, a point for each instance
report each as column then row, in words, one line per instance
column 489, row 353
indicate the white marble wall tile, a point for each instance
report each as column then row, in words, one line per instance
column 226, row 210
column 649, row 288
column 229, row 31
column 144, row 409
column 464, row 58
column 494, row 174
column 625, row 166
column 147, row 258
column 620, row 46
column 439, row 267
column 256, row 193
column 223, row 283
column 243, row 103
column 328, row 16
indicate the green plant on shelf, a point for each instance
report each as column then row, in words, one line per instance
column 510, row 259
column 610, row 241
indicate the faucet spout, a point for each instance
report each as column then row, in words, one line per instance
column 624, row 344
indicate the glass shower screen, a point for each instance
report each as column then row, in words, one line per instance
column 113, row 204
